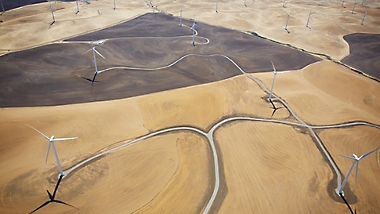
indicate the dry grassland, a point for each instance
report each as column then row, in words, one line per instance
column 191, row 186
column 319, row 94
column 267, row 168
column 273, row 168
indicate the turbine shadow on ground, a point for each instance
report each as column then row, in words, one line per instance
column 52, row 197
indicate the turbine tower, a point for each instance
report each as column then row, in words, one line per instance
column 216, row 10
column 287, row 21
column 356, row 160
column 114, row 4
column 2, row 6
column 283, row 4
column 95, row 64
column 52, row 13
column 271, row 87
column 77, row 7
column 193, row 30
column 51, row 140
column 180, row 17
column 365, row 14
column 308, row 19
column 353, row 8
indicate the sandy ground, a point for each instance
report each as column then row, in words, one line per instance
column 263, row 162
column 32, row 22
column 309, row 93
column 264, row 166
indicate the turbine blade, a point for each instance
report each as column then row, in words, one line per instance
column 98, row 53
column 50, row 196
column 62, row 139
column 61, row 202
column 349, row 157
column 47, row 152
column 368, row 153
column 274, row 111
column 44, row 204
column 88, row 51
column 38, row 131
column 357, row 171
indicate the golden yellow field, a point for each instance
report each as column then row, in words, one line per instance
column 158, row 152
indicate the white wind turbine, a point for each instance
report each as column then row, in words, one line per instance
column 365, row 14
column 180, row 17
column 96, row 65
column 353, row 8
column 287, row 21
column 51, row 140
column 52, row 13
column 77, row 7
column 114, row 4
column 343, row 4
column 245, row 3
column 308, row 19
column 283, row 4
column 216, row 10
column 356, row 160
column 2, row 6
column 271, row 87
column 193, row 30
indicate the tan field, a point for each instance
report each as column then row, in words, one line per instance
column 267, row 166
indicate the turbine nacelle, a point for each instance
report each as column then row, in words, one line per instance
column 51, row 140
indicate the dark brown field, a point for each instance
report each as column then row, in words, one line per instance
column 59, row 74
column 12, row 4
column 364, row 53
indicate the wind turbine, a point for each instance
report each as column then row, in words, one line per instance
column 180, row 17
column 245, row 3
column 274, row 77
column 287, row 20
column 308, row 19
column 96, row 66
column 52, row 13
column 52, row 197
column 51, row 140
column 193, row 30
column 114, row 4
column 2, row 6
column 353, row 8
column 356, row 160
column 343, row 4
column 365, row 14
column 271, row 90
column 283, row 4
column 77, row 7
column 216, row 10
